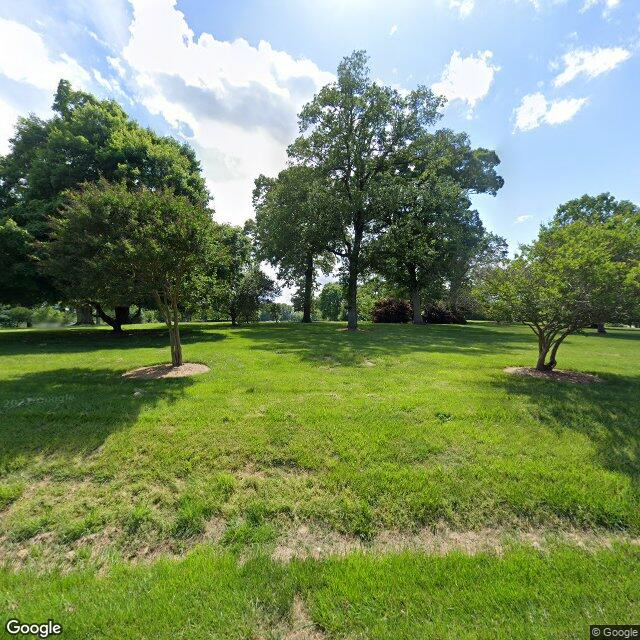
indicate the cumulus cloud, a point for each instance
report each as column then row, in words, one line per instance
column 8, row 118
column 535, row 110
column 239, row 101
column 590, row 63
column 24, row 57
column 463, row 7
column 607, row 6
column 467, row 79
column 521, row 219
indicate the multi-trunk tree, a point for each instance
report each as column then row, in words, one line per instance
column 291, row 231
column 571, row 274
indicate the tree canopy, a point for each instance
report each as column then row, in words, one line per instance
column 85, row 140
column 570, row 275
column 118, row 243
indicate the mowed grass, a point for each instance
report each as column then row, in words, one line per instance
column 522, row 594
column 396, row 427
column 389, row 431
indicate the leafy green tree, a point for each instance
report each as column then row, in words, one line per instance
column 330, row 301
column 120, row 243
column 355, row 133
column 595, row 210
column 86, row 139
column 242, row 287
column 569, row 275
column 291, row 234
column 432, row 236
column 416, row 251
column 475, row 252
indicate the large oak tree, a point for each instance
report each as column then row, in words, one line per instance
column 354, row 133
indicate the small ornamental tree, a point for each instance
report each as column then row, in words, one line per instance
column 567, row 277
column 123, row 244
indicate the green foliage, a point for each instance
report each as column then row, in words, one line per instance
column 113, row 243
column 572, row 274
column 330, row 301
column 15, row 316
column 291, row 232
column 356, row 134
column 85, row 140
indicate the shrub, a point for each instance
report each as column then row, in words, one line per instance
column 439, row 314
column 391, row 310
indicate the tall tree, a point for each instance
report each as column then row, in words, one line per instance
column 86, row 139
column 120, row 243
column 354, row 132
column 291, row 232
column 423, row 226
column 242, row 287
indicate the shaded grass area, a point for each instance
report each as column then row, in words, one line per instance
column 523, row 594
column 395, row 427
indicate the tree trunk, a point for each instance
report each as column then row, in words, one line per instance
column 122, row 315
column 176, row 346
column 352, row 285
column 352, row 298
column 601, row 329
column 112, row 322
column 308, row 290
column 234, row 318
column 84, row 315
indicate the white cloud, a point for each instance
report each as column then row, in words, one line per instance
column 239, row 100
column 608, row 6
column 590, row 63
column 463, row 7
column 467, row 79
column 117, row 66
column 393, row 29
column 521, row 219
column 535, row 110
column 24, row 57
column 8, row 118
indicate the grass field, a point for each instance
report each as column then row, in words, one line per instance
column 393, row 483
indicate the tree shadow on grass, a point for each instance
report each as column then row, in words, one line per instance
column 608, row 413
column 326, row 342
column 72, row 411
column 74, row 340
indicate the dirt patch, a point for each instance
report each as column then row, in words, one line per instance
column 574, row 377
column 302, row 626
column 318, row 543
column 158, row 371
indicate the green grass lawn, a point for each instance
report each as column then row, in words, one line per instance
column 343, row 440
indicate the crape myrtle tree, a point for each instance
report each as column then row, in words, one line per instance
column 568, row 276
column 123, row 243
column 86, row 139
column 595, row 210
column 291, row 233
column 354, row 133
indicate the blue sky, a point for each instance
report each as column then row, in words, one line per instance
column 552, row 85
